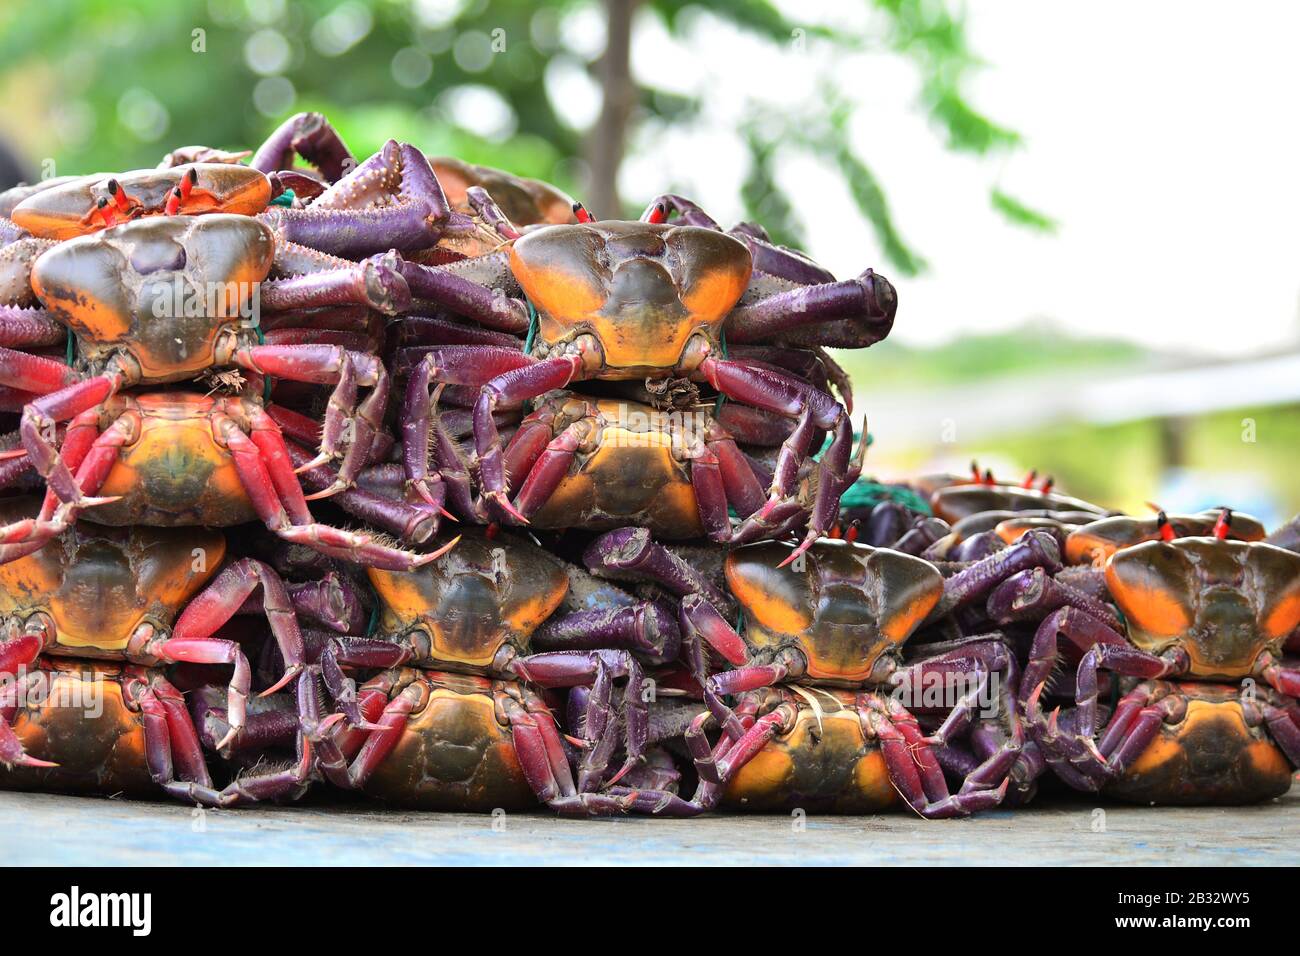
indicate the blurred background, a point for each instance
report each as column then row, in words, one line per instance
column 1090, row 209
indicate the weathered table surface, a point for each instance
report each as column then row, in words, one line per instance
column 49, row 829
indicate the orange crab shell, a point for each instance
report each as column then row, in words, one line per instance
column 456, row 752
column 823, row 763
column 849, row 605
column 175, row 472
column 630, row 475
column 77, row 716
column 641, row 289
column 525, row 202
column 955, row 502
column 160, row 289
column 483, row 594
column 99, row 585
column 1095, row 542
column 1211, row 756
column 70, row 209
column 1224, row 602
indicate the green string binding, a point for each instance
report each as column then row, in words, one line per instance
column 866, row 493
column 717, row 406
column 285, row 198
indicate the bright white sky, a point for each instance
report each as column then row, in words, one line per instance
column 1162, row 135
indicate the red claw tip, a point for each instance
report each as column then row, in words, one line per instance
column 1224, row 525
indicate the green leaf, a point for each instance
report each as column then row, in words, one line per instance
column 1018, row 213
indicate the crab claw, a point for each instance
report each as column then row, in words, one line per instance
column 338, row 485
column 322, row 458
column 289, row 675
column 801, row 549
column 435, row 555
column 505, row 505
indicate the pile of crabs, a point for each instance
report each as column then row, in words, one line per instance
column 408, row 478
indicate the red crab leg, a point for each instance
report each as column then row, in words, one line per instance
column 1279, row 676
column 40, row 416
column 12, row 753
column 776, row 391
column 29, row 328
column 599, row 668
column 19, row 651
column 410, row 522
column 538, row 746
column 186, row 751
column 380, row 743
column 330, row 365
column 518, row 385
column 548, row 469
column 221, row 600
column 34, row 373
column 360, row 547
column 469, row 365
column 96, row 463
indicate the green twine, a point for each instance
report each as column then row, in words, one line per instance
column 285, row 198
column 865, row 493
column 266, row 379
column 533, row 322
column 717, row 406
column 373, row 624
column 71, row 352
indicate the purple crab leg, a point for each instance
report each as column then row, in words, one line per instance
column 310, row 136
column 854, row 313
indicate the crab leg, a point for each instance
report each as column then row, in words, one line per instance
column 344, row 419
column 310, row 136
column 1036, row 549
column 220, row 601
column 360, row 547
column 854, row 313
column 410, row 522
column 12, row 753
column 29, row 328
column 462, row 289
column 775, row 391
column 648, row 628
column 573, row 668
column 374, row 284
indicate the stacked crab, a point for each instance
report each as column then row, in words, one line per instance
column 1147, row 655
column 601, row 550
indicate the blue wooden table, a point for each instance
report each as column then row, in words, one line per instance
column 49, row 829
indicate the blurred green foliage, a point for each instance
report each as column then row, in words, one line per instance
column 1029, row 349
column 113, row 84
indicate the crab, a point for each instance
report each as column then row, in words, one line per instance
column 1195, row 610
column 125, row 296
column 146, row 596
column 525, row 202
column 1095, row 542
column 179, row 458
column 645, row 301
column 983, row 493
column 600, row 464
column 839, row 620
column 475, row 611
column 392, row 200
